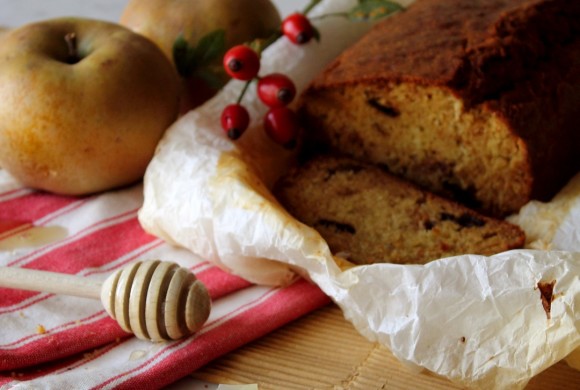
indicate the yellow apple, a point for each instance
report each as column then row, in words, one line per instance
column 163, row 21
column 83, row 104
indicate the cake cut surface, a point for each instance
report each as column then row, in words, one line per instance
column 475, row 100
column 368, row 215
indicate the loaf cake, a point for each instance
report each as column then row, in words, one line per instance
column 369, row 215
column 476, row 100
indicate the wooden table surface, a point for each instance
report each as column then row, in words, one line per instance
column 323, row 351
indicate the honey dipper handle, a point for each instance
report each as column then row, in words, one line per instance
column 50, row 282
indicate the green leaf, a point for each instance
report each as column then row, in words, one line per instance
column 373, row 10
column 211, row 78
column 188, row 58
column 182, row 53
column 210, row 47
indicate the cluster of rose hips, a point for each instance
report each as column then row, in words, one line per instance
column 274, row 90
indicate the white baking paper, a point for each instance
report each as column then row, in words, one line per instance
column 476, row 320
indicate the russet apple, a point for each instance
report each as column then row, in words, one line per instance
column 83, row 104
column 163, row 21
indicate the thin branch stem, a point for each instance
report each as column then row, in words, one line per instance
column 243, row 91
column 311, row 5
column 334, row 14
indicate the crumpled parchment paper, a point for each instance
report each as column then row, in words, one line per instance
column 480, row 321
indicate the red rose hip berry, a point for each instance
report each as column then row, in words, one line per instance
column 276, row 90
column 282, row 126
column 298, row 28
column 241, row 63
column 235, row 120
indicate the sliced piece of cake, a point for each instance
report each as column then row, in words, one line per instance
column 370, row 216
column 473, row 99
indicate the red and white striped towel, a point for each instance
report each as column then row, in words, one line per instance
column 53, row 341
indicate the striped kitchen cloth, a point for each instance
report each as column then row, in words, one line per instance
column 62, row 342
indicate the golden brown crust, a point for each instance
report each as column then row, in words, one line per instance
column 476, row 48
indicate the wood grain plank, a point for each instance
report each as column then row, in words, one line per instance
column 323, row 351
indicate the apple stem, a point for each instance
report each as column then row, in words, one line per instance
column 71, row 42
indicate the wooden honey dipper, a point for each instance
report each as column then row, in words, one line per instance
column 155, row 300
